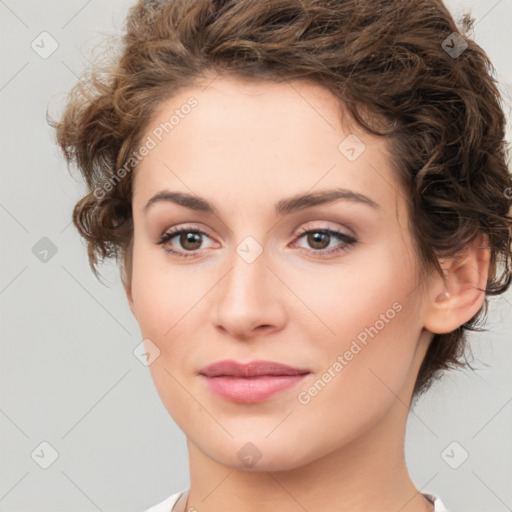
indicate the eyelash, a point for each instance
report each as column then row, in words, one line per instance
column 347, row 239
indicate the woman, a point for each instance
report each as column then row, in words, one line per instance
column 309, row 201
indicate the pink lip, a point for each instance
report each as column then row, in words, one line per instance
column 251, row 382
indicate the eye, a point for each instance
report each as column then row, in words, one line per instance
column 320, row 238
column 189, row 239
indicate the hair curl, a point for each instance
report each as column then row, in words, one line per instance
column 384, row 59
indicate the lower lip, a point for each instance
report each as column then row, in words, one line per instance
column 251, row 390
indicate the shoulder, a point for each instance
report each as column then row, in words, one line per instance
column 167, row 504
column 438, row 504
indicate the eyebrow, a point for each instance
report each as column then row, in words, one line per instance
column 282, row 207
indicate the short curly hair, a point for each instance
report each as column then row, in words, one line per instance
column 403, row 69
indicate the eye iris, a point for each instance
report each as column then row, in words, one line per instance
column 316, row 237
column 191, row 237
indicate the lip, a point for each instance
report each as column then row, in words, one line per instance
column 250, row 382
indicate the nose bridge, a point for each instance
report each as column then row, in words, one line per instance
column 246, row 298
column 247, row 280
column 248, row 259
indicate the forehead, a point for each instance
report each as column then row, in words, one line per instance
column 259, row 139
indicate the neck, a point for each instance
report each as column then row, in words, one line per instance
column 366, row 475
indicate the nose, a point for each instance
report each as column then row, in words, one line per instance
column 249, row 299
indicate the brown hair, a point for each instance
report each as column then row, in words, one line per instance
column 400, row 67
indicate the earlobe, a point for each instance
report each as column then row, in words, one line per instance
column 458, row 295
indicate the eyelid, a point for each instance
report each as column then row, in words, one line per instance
column 325, row 225
column 304, row 228
column 176, row 230
column 346, row 239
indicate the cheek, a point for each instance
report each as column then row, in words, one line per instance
column 163, row 294
column 370, row 328
column 357, row 297
column 164, row 303
column 365, row 368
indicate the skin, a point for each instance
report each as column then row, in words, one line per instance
column 244, row 147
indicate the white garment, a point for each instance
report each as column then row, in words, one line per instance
column 167, row 504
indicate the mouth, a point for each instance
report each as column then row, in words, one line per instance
column 251, row 382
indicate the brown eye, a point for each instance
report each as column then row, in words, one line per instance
column 190, row 240
column 318, row 239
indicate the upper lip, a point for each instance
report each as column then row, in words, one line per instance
column 231, row 368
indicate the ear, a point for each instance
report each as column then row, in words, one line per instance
column 458, row 295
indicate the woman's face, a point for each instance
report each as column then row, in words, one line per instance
column 265, row 280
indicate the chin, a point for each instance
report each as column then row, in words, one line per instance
column 256, row 453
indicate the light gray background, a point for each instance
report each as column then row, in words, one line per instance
column 68, row 373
